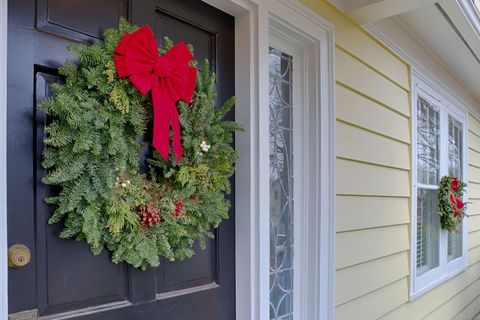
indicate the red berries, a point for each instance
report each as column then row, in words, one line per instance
column 178, row 211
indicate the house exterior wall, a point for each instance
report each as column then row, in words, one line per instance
column 373, row 94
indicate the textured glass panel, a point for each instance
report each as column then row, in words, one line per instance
column 428, row 230
column 281, row 186
column 428, row 143
column 455, row 167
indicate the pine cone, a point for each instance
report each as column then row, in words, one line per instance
column 149, row 215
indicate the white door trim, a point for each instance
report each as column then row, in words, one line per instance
column 3, row 161
column 252, row 26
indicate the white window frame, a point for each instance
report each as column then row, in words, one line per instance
column 252, row 39
column 421, row 284
column 3, row 161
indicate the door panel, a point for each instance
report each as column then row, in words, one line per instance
column 67, row 18
column 90, row 280
column 63, row 278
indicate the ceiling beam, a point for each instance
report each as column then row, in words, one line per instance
column 363, row 11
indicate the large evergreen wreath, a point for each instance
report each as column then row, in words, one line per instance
column 92, row 154
column 450, row 205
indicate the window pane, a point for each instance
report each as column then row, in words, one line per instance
column 455, row 146
column 281, row 186
column 455, row 168
column 428, row 143
column 455, row 245
column 428, row 230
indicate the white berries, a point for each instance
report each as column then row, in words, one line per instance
column 205, row 147
column 122, row 183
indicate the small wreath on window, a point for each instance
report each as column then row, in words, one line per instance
column 451, row 208
column 92, row 152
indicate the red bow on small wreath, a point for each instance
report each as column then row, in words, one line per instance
column 169, row 77
column 451, row 208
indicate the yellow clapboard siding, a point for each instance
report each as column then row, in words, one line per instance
column 355, row 213
column 449, row 309
column 473, row 124
column 473, row 174
column 358, row 76
column 473, row 207
column 428, row 302
column 469, row 312
column 355, row 247
column 473, row 239
column 358, row 144
column 370, row 276
column 473, row 255
column 375, row 304
column 473, row 190
column 349, row 36
column 473, row 142
column 356, row 109
column 473, row 158
column 473, row 223
column 354, row 178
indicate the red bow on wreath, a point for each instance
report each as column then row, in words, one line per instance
column 456, row 204
column 169, row 77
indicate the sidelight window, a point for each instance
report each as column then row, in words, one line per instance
column 281, row 185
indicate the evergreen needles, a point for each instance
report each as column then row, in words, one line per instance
column 91, row 152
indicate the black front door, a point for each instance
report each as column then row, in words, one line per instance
column 63, row 280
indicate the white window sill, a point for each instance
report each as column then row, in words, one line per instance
column 422, row 291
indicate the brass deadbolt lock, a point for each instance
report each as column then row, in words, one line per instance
column 18, row 256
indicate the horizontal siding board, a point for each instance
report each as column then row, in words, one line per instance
column 473, row 190
column 473, row 239
column 354, row 178
column 473, row 223
column 473, row 255
column 473, row 142
column 358, row 144
column 473, row 207
column 363, row 112
column 360, row 246
column 356, row 75
column 376, row 303
column 370, row 276
column 469, row 312
column 430, row 301
column 473, row 124
column 473, row 174
column 473, row 158
column 355, row 213
column 449, row 309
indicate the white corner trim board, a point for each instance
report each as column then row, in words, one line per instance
column 253, row 22
column 3, row 161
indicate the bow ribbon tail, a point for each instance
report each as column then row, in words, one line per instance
column 161, row 120
column 176, row 143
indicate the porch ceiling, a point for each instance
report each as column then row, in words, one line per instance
column 444, row 31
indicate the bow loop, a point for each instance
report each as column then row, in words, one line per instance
column 168, row 77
